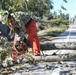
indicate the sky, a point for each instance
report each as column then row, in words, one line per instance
column 70, row 6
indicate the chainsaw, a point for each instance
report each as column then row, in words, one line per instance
column 20, row 43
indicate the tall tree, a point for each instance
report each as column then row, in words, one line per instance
column 40, row 7
column 37, row 7
column 62, row 8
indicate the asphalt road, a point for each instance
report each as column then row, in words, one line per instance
column 47, row 68
column 68, row 36
column 66, row 39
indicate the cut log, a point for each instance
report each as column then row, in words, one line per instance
column 50, row 46
column 58, row 57
column 47, row 46
column 51, row 58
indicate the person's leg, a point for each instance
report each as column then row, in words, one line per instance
column 33, row 38
column 15, row 51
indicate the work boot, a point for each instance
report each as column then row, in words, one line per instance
column 36, row 53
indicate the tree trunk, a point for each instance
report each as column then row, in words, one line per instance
column 47, row 46
column 50, row 46
column 59, row 57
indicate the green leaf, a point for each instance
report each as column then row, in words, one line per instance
column 63, row 8
column 65, row 1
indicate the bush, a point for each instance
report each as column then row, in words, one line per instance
column 58, row 22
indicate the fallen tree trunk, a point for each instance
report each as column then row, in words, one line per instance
column 47, row 46
column 50, row 46
column 58, row 57
column 33, row 59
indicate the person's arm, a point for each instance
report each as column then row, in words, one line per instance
column 10, row 24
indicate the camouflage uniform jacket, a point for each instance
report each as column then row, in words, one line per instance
column 21, row 19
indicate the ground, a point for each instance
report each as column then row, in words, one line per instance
column 42, row 67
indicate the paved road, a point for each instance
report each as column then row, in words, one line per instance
column 66, row 39
column 65, row 42
column 68, row 36
column 47, row 68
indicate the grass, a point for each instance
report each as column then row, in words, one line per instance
column 50, row 32
column 55, row 30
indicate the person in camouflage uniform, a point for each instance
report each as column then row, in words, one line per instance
column 25, row 24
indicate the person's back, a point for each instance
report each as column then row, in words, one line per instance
column 4, row 29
